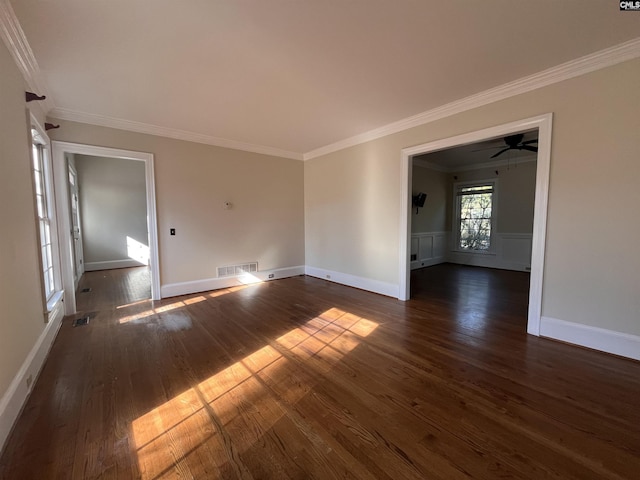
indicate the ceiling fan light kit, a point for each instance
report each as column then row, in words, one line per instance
column 515, row 142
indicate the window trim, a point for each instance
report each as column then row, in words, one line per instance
column 457, row 186
column 38, row 136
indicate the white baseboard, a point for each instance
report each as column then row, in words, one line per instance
column 186, row 288
column 376, row 286
column 623, row 344
column 111, row 264
column 427, row 263
column 14, row 399
column 487, row 261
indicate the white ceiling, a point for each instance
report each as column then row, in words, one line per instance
column 297, row 75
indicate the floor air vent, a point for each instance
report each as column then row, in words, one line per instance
column 79, row 322
column 232, row 270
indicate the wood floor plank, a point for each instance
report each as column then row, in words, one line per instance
column 302, row 378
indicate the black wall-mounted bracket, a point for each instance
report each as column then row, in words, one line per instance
column 30, row 96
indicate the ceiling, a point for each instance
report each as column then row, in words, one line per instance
column 476, row 155
column 298, row 75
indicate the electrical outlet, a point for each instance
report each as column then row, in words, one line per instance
column 29, row 381
column 271, row 275
column 328, row 277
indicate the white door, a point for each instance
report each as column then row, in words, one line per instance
column 76, row 232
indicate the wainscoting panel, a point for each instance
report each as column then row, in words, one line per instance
column 512, row 251
column 429, row 249
column 425, row 248
column 515, row 251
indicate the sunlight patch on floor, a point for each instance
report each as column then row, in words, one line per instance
column 161, row 309
column 133, row 304
column 180, row 303
column 230, row 411
column 224, row 291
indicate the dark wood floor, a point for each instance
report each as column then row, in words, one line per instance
column 301, row 378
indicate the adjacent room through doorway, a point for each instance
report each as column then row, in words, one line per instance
column 472, row 216
column 109, row 213
column 108, row 206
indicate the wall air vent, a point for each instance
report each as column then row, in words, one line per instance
column 233, row 270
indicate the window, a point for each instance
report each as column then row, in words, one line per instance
column 44, row 212
column 474, row 215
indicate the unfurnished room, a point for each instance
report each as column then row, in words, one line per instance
column 273, row 239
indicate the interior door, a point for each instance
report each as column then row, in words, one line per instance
column 76, row 231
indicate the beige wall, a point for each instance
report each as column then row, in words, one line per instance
column 436, row 214
column 516, row 194
column 592, row 266
column 113, row 206
column 351, row 212
column 22, row 318
column 192, row 183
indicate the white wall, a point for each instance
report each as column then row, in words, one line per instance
column 113, row 211
column 592, row 268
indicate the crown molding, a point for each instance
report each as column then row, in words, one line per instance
column 139, row 127
column 589, row 63
column 17, row 44
column 418, row 162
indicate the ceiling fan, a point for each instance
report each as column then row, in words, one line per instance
column 514, row 142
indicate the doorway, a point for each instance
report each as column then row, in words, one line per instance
column 543, row 124
column 76, row 230
column 63, row 204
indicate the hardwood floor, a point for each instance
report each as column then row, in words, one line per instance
column 301, row 378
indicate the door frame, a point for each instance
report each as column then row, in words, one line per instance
column 77, row 271
column 544, row 125
column 64, row 219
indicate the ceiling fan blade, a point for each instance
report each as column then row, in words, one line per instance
column 535, row 140
column 527, row 147
column 501, row 152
